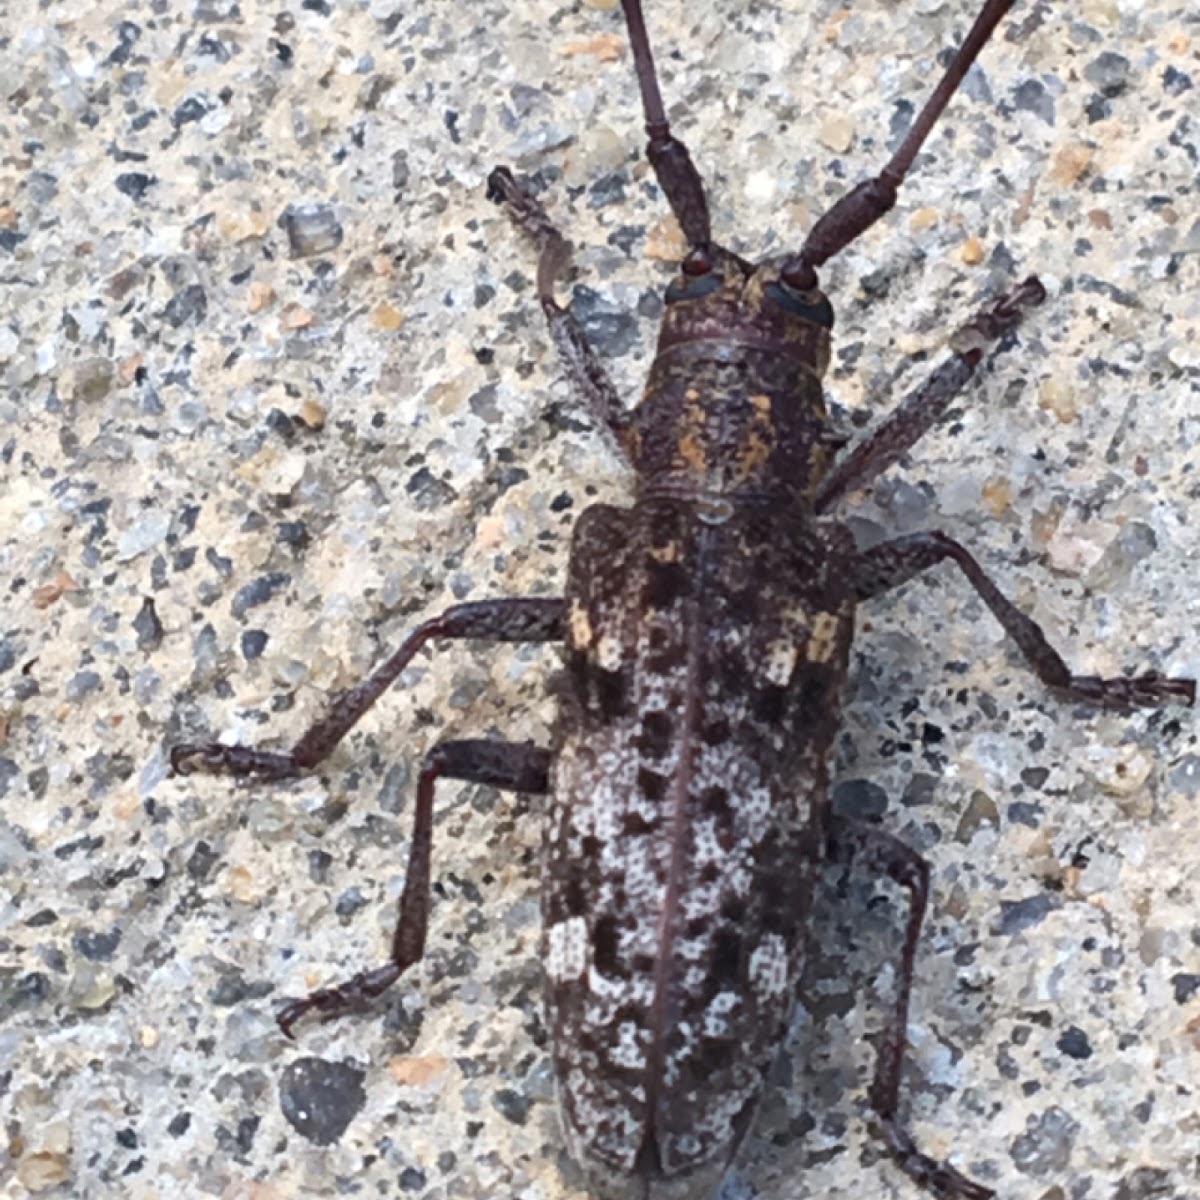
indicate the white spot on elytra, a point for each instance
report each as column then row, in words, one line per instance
column 608, row 653
column 769, row 966
column 567, row 949
column 823, row 641
column 579, row 626
column 627, row 1052
column 754, row 808
column 780, row 661
column 707, row 846
column 716, row 1016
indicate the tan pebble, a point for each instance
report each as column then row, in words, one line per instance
column 956, row 904
column 446, row 397
column 489, row 532
column 923, row 218
column 1070, row 163
column 1120, row 771
column 981, row 810
column 386, row 316
column 997, row 495
column 579, row 626
column 128, row 368
column 278, row 474
column 665, row 241
column 242, row 885
column 832, row 28
column 47, row 594
column 417, row 1072
column 1099, row 219
column 41, row 1170
column 837, row 133
column 95, row 990
column 601, row 149
column 1024, row 205
column 1044, row 525
column 295, row 316
column 259, row 296
column 1077, row 546
column 1101, row 13
column 971, row 252
column 127, row 805
column 260, row 1190
column 822, row 643
column 312, row 413
column 8, row 216
column 607, row 47
column 242, row 226
column 148, row 1037
column 1057, row 396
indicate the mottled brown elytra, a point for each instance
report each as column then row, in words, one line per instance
column 707, row 630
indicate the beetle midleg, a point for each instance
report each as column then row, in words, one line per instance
column 517, row 767
column 880, row 853
column 893, row 563
column 577, row 355
column 510, row 619
column 921, row 409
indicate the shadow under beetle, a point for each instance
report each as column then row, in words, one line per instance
column 707, row 631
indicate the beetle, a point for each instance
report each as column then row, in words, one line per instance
column 707, row 630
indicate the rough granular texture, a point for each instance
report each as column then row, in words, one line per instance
column 275, row 388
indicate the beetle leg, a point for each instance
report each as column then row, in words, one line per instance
column 516, row 619
column 921, row 409
column 893, row 563
column 517, row 767
column 880, row 853
column 577, row 355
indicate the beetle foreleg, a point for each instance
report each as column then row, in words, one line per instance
column 922, row 408
column 577, row 355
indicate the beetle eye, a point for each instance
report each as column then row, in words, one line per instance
column 698, row 262
column 698, row 279
column 798, row 275
column 813, row 305
column 693, row 288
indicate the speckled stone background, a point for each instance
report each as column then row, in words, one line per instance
column 275, row 388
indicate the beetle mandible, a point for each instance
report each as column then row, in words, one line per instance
column 707, row 630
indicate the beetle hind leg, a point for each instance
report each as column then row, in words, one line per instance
column 880, row 853
column 518, row 767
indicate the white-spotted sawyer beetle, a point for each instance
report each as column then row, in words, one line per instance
column 707, row 631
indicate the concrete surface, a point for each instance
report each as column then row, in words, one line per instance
column 233, row 476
